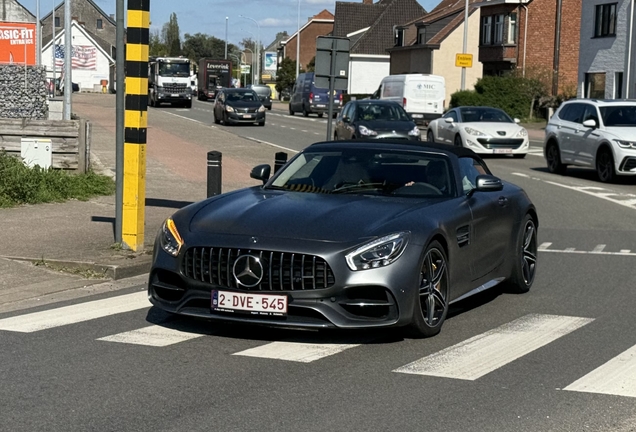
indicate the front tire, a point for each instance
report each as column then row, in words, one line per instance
column 291, row 111
column 458, row 141
column 605, row 166
column 519, row 155
column 216, row 120
column 430, row 137
column 525, row 265
column 432, row 293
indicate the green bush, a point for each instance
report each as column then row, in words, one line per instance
column 20, row 184
column 510, row 93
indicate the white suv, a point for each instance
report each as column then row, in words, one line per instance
column 595, row 133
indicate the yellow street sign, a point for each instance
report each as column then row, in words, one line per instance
column 464, row 60
column 266, row 76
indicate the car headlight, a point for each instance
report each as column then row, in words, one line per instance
column 625, row 144
column 171, row 240
column 262, row 109
column 415, row 131
column 229, row 108
column 522, row 133
column 474, row 132
column 378, row 253
column 366, row 131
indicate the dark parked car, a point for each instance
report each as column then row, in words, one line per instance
column 362, row 234
column 235, row 106
column 375, row 119
column 264, row 92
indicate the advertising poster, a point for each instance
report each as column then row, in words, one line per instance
column 271, row 61
column 17, row 43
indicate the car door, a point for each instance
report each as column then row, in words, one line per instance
column 568, row 128
column 446, row 131
column 492, row 220
column 585, row 139
column 344, row 121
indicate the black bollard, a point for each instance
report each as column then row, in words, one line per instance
column 214, row 173
column 280, row 159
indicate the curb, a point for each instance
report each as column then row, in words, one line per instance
column 110, row 271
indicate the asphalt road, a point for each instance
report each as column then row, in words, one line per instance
column 560, row 358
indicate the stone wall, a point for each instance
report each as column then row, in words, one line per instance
column 16, row 101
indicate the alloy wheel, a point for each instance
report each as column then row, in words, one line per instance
column 529, row 252
column 458, row 141
column 605, row 166
column 433, row 287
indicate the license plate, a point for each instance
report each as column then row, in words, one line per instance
column 321, row 106
column 247, row 116
column 417, row 115
column 174, row 95
column 254, row 304
column 499, row 151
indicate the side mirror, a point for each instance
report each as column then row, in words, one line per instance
column 346, row 119
column 448, row 120
column 590, row 123
column 488, row 183
column 261, row 172
column 516, row 120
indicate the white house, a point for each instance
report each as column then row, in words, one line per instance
column 90, row 63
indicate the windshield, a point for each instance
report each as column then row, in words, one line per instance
column 619, row 116
column 262, row 91
column 242, row 96
column 174, row 69
column 388, row 112
column 364, row 171
column 471, row 115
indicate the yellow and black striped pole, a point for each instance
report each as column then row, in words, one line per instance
column 135, row 124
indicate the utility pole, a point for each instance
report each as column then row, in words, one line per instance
column 463, row 85
column 68, row 53
column 119, row 120
column 298, row 42
column 226, row 20
column 38, row 35
column 54, row 48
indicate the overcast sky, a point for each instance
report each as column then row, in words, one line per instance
column 208, row 16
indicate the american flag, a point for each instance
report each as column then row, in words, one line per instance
column 82, row 57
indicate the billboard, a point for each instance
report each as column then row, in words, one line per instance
column 17, row 43
column 271, row 61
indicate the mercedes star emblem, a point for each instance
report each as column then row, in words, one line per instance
column 248, row 271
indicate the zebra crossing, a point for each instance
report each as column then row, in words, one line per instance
column 468, row 360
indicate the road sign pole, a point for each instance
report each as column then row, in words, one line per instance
column 120, row 107
column 332, row 82
column 136, row 124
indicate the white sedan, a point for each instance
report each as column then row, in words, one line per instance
column 484, row 130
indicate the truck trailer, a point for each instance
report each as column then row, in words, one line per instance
column 213, row 75
column 169, row 81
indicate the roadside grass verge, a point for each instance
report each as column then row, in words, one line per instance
column 20, row 184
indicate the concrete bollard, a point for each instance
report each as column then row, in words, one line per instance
column 280, row 159
column 214, row 173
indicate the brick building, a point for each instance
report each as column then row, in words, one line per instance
column 538, row 37
column 318, row 25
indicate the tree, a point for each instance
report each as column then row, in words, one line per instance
column 286, row 74
column 155, row 46
column 249, row 43
column 170, row 36
column 201, row 45
column 311, row 66
column 280, row 35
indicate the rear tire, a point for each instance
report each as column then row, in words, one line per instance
column 320, row 115
column 431, row 294
column 553, row 158
column 305, row 112
column 525, row 265
column 605, row 166
column 291, row 111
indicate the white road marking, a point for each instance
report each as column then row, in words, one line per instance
column 156, row 336
column 484, row 353
column 295, row 351
column 605, row 196
column 625, row 251
column 271, row 144
column 292, row 128
column 544, row 246
column 187, row 118
column 76, row 313
column 304, row 130
column 598, row 248
column 569, row 249
column 616, row 377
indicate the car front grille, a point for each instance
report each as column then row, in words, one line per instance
column 495, row 143
column 282, row 271
column 246, row 110
column 174, row 88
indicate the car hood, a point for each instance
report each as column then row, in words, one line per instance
column 386, row 125
column 308, row 216
column 622, row 133
column 493, row 129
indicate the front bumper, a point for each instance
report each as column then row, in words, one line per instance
column 625, row 161
column 374, row 298
column 258, row 117
column 490, row 145
column 173, row 97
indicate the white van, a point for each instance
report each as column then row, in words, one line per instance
column 421, row 95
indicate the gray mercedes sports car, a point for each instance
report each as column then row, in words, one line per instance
column 349, row 235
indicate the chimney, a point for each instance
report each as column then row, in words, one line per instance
column 112, row 16
column 367, row 1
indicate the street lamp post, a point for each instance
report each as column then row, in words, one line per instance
column 258, row 50
column 298, row 42
column 463, row 86
column 226, row 20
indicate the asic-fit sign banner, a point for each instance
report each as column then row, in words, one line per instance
column 17, row 43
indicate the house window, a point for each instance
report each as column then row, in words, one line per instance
column 486, row 30
column 605, row 24
column 100, row 25
column 512, row 28
column 499, row 25
column 618, row 85
column 57, row 21
column 595, row 85
column 421, row 36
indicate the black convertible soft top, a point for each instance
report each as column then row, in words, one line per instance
column 401, row 145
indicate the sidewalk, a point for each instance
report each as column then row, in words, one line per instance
column 73, row 243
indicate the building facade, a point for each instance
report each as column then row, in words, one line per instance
column 606, row 62
column 319, row 25
column 538, row 38
column 13, row 11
